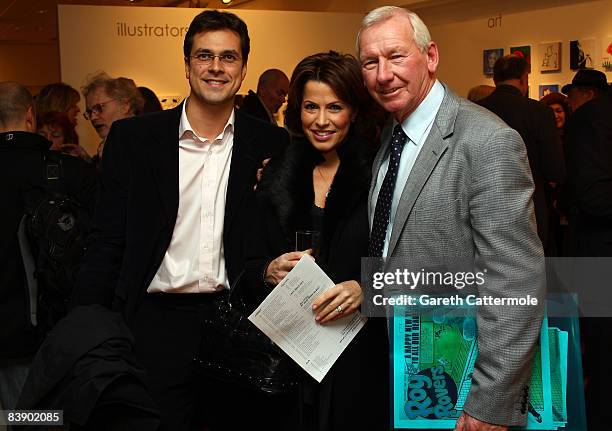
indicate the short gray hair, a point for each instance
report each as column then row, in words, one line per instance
column 15, row 100
column 420, row 33
column 123, row 89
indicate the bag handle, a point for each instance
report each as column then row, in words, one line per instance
column 234, row 289
column 30, row 267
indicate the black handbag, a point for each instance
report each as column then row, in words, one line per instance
column 235, row 351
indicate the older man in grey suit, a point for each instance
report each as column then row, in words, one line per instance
column 453, row 180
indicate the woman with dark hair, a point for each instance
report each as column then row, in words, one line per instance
column 57, row 128
column 58, row 97
column 557, row 102
column 556, row 192
column 321, row 184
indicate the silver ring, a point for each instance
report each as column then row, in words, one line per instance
column 339, row 309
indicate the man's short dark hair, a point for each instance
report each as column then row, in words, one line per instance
column 211, row 20
column 509, row 67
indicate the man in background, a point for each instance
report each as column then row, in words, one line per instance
column 108, row 100
column 535, row 122
column 272, row 89
column 23, row 175
column 589, row 194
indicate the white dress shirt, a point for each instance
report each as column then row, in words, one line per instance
column 195, row 261
column 417, row 127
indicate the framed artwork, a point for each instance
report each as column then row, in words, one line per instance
column 606, row 61
column 525, row 51
column 546, row 89
column 550, row 57
column 489, row 57
column 582, row 54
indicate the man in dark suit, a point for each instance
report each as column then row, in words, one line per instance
column 589, row 194
column 272, row 89
column 536, row 125
column 169, row 231
column 22, row 176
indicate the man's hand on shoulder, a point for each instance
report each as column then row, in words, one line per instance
column 260, row 172
column 468, row 423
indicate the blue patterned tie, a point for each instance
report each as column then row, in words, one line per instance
column 382, row 212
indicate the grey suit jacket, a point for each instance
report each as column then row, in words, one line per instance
column 469, row 195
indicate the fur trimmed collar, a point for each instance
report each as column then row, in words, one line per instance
column 287, row 185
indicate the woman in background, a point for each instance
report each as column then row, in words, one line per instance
column 557, row 102
column 57, row 128
column 58, row 97
column 321, row 184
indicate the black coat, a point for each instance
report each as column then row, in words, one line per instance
column 353, row 394
column 138, row 204
column 589, row 187
column 253, row 106
column 86, row 367
column 22, row 172
column 536, row 124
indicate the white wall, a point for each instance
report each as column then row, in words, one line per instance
column 89, row 42
column 461, row 44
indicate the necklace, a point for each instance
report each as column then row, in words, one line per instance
column 327, row 183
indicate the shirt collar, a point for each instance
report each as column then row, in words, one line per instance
column 417, row 123
column 185, row 127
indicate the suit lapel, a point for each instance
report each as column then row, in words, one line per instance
column 434, row 147
column 242, row 168
column 165, row 161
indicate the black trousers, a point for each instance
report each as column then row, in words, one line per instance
column 167, row 333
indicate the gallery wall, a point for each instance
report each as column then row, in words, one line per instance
column 461, row 44
column 33, row 65
column 97, row 38
column 94, row 38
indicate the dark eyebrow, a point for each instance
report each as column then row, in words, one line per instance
column 210, row 51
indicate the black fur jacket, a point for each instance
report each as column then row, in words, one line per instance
column 284, row 203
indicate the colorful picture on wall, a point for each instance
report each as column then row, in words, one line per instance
column 525, row 51
column 546, row 89
column 606, row 60
column 489, row 57
column 582, row 54
column 550, row 57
